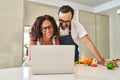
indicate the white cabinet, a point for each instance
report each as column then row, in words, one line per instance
column 11, row 33
column 97, row 27
column 102, row 35
column 88, row 21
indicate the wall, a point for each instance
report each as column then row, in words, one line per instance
column 102, row 35
column 114, row 20
column 114, row 36
column 33, row 10
column 11, row 33
column 88, row 20
column 97, row 26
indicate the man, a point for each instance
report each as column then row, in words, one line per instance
column 71, row 31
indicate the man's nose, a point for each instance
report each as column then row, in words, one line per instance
column 64, row 24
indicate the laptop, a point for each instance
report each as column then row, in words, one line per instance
column 52, row 59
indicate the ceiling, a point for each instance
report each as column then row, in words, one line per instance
column 96, row 6
column 92, row 3
column 99, row 3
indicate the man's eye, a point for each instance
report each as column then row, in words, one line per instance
column 61, row 20
column 45, row 28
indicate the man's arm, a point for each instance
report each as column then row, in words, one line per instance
column 92, row 48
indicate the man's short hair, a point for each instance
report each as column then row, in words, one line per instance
column 66, row 9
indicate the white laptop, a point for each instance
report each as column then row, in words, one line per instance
column 52, row 59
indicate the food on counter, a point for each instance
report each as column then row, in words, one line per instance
column 117, row 60
column 76, row 62
column 94, row 63
column 84, row 60
column 110, row 66
column 90, row 62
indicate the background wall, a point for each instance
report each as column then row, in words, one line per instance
column 33, row 10
column 114, row 20
column 97, row 26
column 11, row 33
column 115, row 36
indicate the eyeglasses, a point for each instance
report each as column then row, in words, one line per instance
column 50, row 27
column 63, row 21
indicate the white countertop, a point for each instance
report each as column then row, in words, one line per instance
column 11, row 74
column 97, row 73
column 80, row 73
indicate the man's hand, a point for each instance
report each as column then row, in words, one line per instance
column 113, row 62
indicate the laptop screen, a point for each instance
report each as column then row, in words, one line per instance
column 50, row 59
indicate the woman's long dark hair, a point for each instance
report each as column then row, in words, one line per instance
column 35, row 32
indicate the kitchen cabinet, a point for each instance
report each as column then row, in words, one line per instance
column 102, row 34
column 97, row 26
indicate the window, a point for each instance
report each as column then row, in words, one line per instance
column 26, row 40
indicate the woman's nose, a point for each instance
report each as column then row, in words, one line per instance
column 48, row 30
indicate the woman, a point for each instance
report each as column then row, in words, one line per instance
column 43, row 32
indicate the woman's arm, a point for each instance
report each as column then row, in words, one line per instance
column 57, row 41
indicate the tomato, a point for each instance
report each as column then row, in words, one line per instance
column 86, row 62
column 94, row 65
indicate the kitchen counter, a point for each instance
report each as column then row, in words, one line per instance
column 81, row 72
